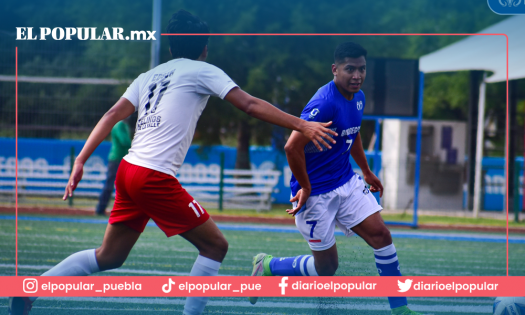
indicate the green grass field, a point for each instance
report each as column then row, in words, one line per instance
column 42, row 244
column 278, row 210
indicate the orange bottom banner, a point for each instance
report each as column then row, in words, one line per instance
column 96, row 286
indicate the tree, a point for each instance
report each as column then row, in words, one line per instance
column 283, row 70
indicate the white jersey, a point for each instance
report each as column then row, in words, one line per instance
column 170, row 99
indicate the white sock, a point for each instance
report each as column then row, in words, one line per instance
column 203, row 267
column 310, row 267
column 82, row 263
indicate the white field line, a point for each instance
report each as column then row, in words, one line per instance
column 477, row 309
column 131, row 263
column 413, row 271
column 192, row 257
column 172, row 257
column 152, row 245
column 120, row 270
column 139, row 310
column 421, row 260
column 366, row 300
column 381, row 300
column 394, row 232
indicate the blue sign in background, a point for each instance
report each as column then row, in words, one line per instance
column 57, row 152
column 53, row 151
column 494, row 183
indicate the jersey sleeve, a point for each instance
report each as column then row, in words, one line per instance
column 213, row 81
column 132, row 94
column 318, row 110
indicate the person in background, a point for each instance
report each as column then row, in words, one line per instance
column 120, row 144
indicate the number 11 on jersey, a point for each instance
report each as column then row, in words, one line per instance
column 164, row 86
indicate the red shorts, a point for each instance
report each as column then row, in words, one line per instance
column 143, row 193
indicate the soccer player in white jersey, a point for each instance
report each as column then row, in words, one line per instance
column 326, row 191
column 169, row 99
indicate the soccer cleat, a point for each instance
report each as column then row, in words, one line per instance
column 404, row 310
column 261, row 267
column 19, row 306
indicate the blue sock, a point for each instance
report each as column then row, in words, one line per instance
column 388, row 265
column 293, row 266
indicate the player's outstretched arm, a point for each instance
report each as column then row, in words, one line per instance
column 255, row 107
column 122, row 109
column 358, row 153
column 294, row 149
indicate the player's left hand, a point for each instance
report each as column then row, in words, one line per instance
column 301, row 197
column 76, row 176
column 319, row 134
column 374, row 182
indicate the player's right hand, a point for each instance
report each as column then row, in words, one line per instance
column 301, row 197
column 317, row 133
column 76, row 176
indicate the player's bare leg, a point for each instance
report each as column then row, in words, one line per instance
column 118, row 241
column 326, row 262
column 212, row 248
column 209, row 240
column 374, row 231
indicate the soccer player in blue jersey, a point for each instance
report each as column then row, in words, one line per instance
column 325, row 189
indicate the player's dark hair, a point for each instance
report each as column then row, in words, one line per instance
column 183, row 22
column 348, row 50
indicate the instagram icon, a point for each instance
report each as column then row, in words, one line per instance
column 30, row 285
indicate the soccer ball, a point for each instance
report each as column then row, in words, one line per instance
column 509, row 306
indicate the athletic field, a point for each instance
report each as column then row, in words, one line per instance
column 46, row 240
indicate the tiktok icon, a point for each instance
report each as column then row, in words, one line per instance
column 167, row 287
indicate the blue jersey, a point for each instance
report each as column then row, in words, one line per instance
column 330, row 169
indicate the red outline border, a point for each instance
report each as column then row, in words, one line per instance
column 507, row 153
column 332, row 34
column 408, row 34
column 16, row 161
column 299, row 34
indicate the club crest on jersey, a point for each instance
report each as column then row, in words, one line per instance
column 313, row 113
column 360, row 105
column 366, row 190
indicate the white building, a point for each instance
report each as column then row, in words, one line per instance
column 442, row 171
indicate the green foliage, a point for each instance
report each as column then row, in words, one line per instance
column 285, row 70
column 446, row 96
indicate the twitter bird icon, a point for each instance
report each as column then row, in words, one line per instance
column 403, row 287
